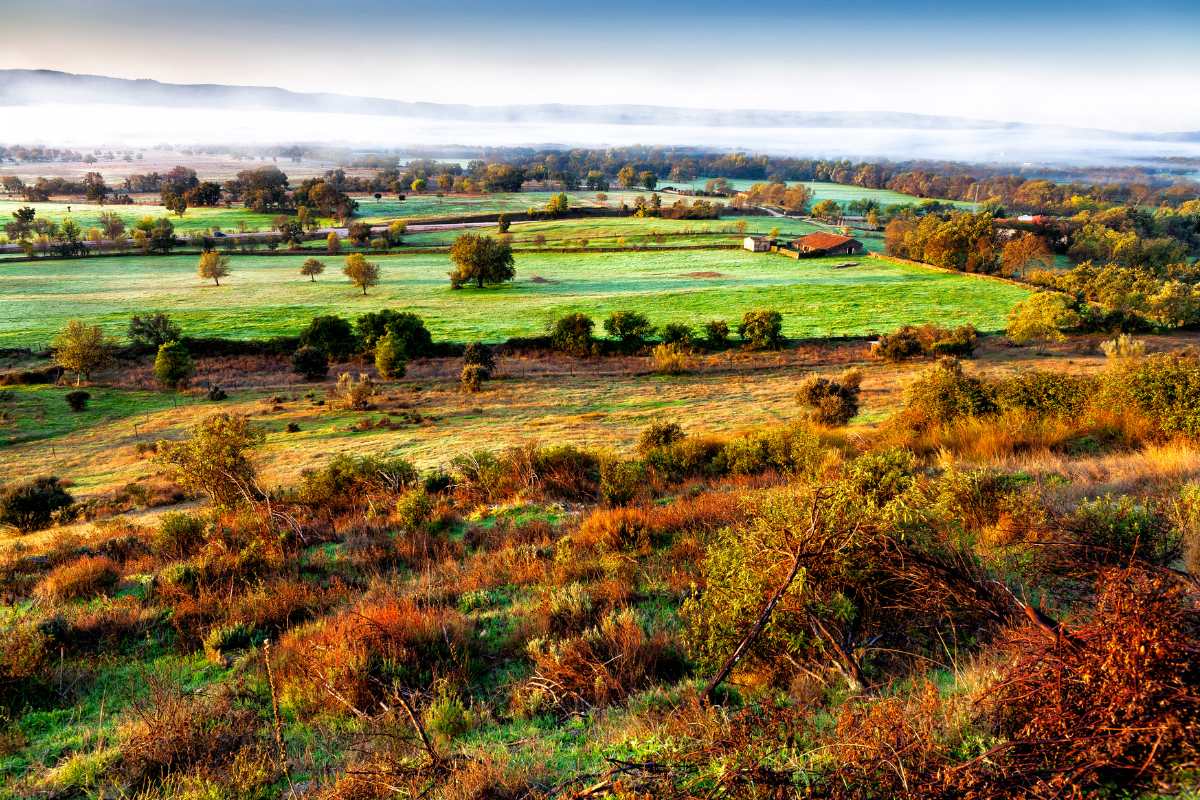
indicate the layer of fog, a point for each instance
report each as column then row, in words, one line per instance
column 86, row 126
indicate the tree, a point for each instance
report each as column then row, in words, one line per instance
column 1041, row 316
column 762, row 329
column 390, row 358
column 175, row 203
column 310, row 362
column 30, row 506
column 1024, row 252
column 312, row 268
column 213, row 266
column 396, row 231
column 161, row 236
column 630, row 327
column 572, row 334
column 502, row 224
column 627, row 177
column 152, row 331
column 827, row 210
column 214, row 459
column 406, row 328
column 362, row 273
column 82, row 349
column 333, row 244
column 648, row 180
column 418, row 185
column 173, row 367
column 557, row 205
column 331, row 335
column 480, row 259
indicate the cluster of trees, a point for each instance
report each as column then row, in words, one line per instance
column 959, row 240
column 794, row 199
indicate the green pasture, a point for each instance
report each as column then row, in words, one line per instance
column 87, row 215
column 822, row 190
column 265, row 295
column 452, row 205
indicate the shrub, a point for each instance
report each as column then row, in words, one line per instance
column 345, row 477
column 152, row 331
column 472, row 377
column 332, row 335
column 960, row 342
column 631, row 328
column 77, row 400
column 173, row 367
column 1123, row 346
column 480, row 354
column 216, row 394
column 659, row 433
column 225, row 639
column 310, row 363
column 407, row 329
column 943, row 392
column 620, row 480
column 912, row 341
column 762, row 329
column 716, row 333
column 1045, row 393
column 390, row 360
column 178, row 535
column 572, row 334
column 671, row 359
column 899, row 346
column 25, row 660
column 1042, row 316
column 1164, row 387
column 80, row 578
column 30, row 506
column 1112, row 530
column 677, row 333
column 566, row 472
column 414, row 508
column 214, row 459
column 352, row 394
column 831, row 401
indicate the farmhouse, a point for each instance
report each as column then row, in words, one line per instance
column 756, row 244
column 827, row 244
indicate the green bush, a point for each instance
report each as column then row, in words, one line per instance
column 390, row 360
column 77, row 400
column 1042, row 316
column 716, row 333
column 225, row 639
column 677, row 333
column 178, row 535
column 572, row 334
column 914, row 341
column 943, row 392
column 659, row 433
column 899, row 346
column 31, row 505
column 414, row 508
column 407, row 329
column 620, row 480
column 331, row 335
column 1112, row 530
column 173, row 366
column 344, row 477
column 1164, row 387
column 631, row 328
column 1045, row 393
column 311, row 363
column 762, row 329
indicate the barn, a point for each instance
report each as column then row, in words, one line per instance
column 827, row 244
column 756, row 244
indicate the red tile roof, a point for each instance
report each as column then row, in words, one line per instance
column 822, row 241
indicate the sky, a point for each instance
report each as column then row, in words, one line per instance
column 1130, row 66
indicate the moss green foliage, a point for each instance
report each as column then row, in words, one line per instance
column 628, row 327
column 31, row 505
column 331, row 335
column 215, row 458
column 831, row 401
column 762, row 329
column 310, row 362
column 390, row 356
column 572, row 334
column 173, row 366
column 1043, row 316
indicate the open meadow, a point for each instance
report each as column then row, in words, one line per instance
column 266, row 295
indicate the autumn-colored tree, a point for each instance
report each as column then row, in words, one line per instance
column 362, row 273
column 627, row 177
column 333, row 243
column 82, row 349
column 312, row 268
column 1025, row 252
column 214, row 459
column 213, row 266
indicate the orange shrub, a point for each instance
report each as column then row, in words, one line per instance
column 83, row 577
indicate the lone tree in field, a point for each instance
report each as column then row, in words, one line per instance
column 479, row 260
column 362, row 273
column 82, row 349
column 214, row 459
column 213, row 265
column 312, row 268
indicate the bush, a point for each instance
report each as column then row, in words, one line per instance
column 677, row 333
column 407, row 329
column 671, row 359
column 225, row 639
column 390, row 360
column 899, row 346
column 1113, row 530
column 311, row 363
column 414, row 508
column 1042, row 316
column 30, row 506
column 173, row 367
column 1046, row 393
column 152, row 331
column 620, row 480
column 659, row 434
column 1164, row 387
column 943, row 392
column 352, row 394
column 83, row 577
column 178, row 535
column 762, row 329
column 472, row 377
column 77, row 400
column 346, row 477
column 216, row 394
column 332, row 335
column 215, row 459
column 572, row 334
column 831, row 402
column 631, row 328
column 716, row 333
column 912, row 341
column 480, row 354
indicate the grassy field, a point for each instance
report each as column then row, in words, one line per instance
column 265, row 295
column 196, row 219
column 822, row 190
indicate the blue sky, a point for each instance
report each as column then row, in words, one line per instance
column 1128, row 65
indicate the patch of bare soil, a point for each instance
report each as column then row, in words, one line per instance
column 703, row 275
column 540, row 279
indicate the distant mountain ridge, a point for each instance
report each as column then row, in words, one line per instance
column 36, row 87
